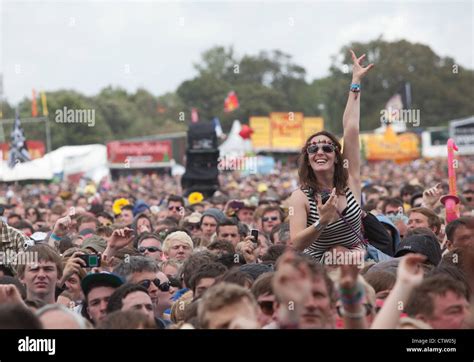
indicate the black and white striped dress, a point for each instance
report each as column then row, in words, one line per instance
column 337, row 232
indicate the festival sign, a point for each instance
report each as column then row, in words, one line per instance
column 390, row 146
column 283, row 131
column 462, row 132
column 261, row 132
column 139, row 154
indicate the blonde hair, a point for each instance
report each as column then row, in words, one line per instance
column 177, row 235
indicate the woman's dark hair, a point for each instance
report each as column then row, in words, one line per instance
column 306, row 174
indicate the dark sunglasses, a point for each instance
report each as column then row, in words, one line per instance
column 273, row 218
column 266, row 307
column 164, row 287
column 175, row 208
column 193, row 226
column 151, row 249
column 327, row 148
column 368, row 309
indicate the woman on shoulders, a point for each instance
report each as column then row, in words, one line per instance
column 325, row 211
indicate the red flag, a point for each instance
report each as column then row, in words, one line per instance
column 194, row 115
column 34, row 107
column 231, row 102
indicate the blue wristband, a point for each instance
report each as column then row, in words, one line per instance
column 55, row 237
column 355, row 87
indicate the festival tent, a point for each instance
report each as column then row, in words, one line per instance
column 87, row 160
column 235, row 145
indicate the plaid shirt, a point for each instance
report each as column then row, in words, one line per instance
column 11, row 238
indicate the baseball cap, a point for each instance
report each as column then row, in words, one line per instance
column 96, row 243
column 102, row 279
column 422, row 244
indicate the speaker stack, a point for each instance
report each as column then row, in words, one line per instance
column 202, row 157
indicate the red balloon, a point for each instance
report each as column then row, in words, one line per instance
column 245, row 132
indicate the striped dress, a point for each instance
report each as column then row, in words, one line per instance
column 337, row 232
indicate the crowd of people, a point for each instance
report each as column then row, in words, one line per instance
column 329, row 242
column 174, row 262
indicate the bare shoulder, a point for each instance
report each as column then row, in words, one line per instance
column 298, row 195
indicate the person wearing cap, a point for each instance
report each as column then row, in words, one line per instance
column 245, row 213
column 191, row 224
column 210, row 218
column 141, row 207
column 97, row 289
column 94, row 244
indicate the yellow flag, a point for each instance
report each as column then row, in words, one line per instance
column 45, row 105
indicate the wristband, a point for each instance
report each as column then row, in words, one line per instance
column 55, row 237
column 355, row 87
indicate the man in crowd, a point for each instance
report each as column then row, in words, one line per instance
column 40, row 278
column 440, row 301
column 97, row 289
column 228, row 230
column 210, row 219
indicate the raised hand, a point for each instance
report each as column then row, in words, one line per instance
column 62, row 226
column 410, row 272
column 120, row 238
column 432, row 195
column 358, row 71
column 9, row 294
column 292, row 283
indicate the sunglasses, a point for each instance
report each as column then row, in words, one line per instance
column 174, row 208
column 151, row 249
column 273, row 218
column 193, row 226
column 164, row 287
column 327, row 148
column 368, row 309
column 266, row 307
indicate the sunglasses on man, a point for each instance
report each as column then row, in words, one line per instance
column 327, row 148
column 272, row 218
column 177, row 208
column 150, row 249
column 164, row 287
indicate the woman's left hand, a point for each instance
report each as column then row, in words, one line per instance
column 358, row 71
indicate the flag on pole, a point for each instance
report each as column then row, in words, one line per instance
column 44, row 103
column 217, row 127
column 18, row 151
column 194, row 115
column 231, row 102
column 34, row 107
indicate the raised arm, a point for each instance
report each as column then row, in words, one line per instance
column 351, row 120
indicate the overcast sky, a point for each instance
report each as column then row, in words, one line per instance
column 86, row 46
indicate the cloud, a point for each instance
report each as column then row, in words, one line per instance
column 87, row 46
